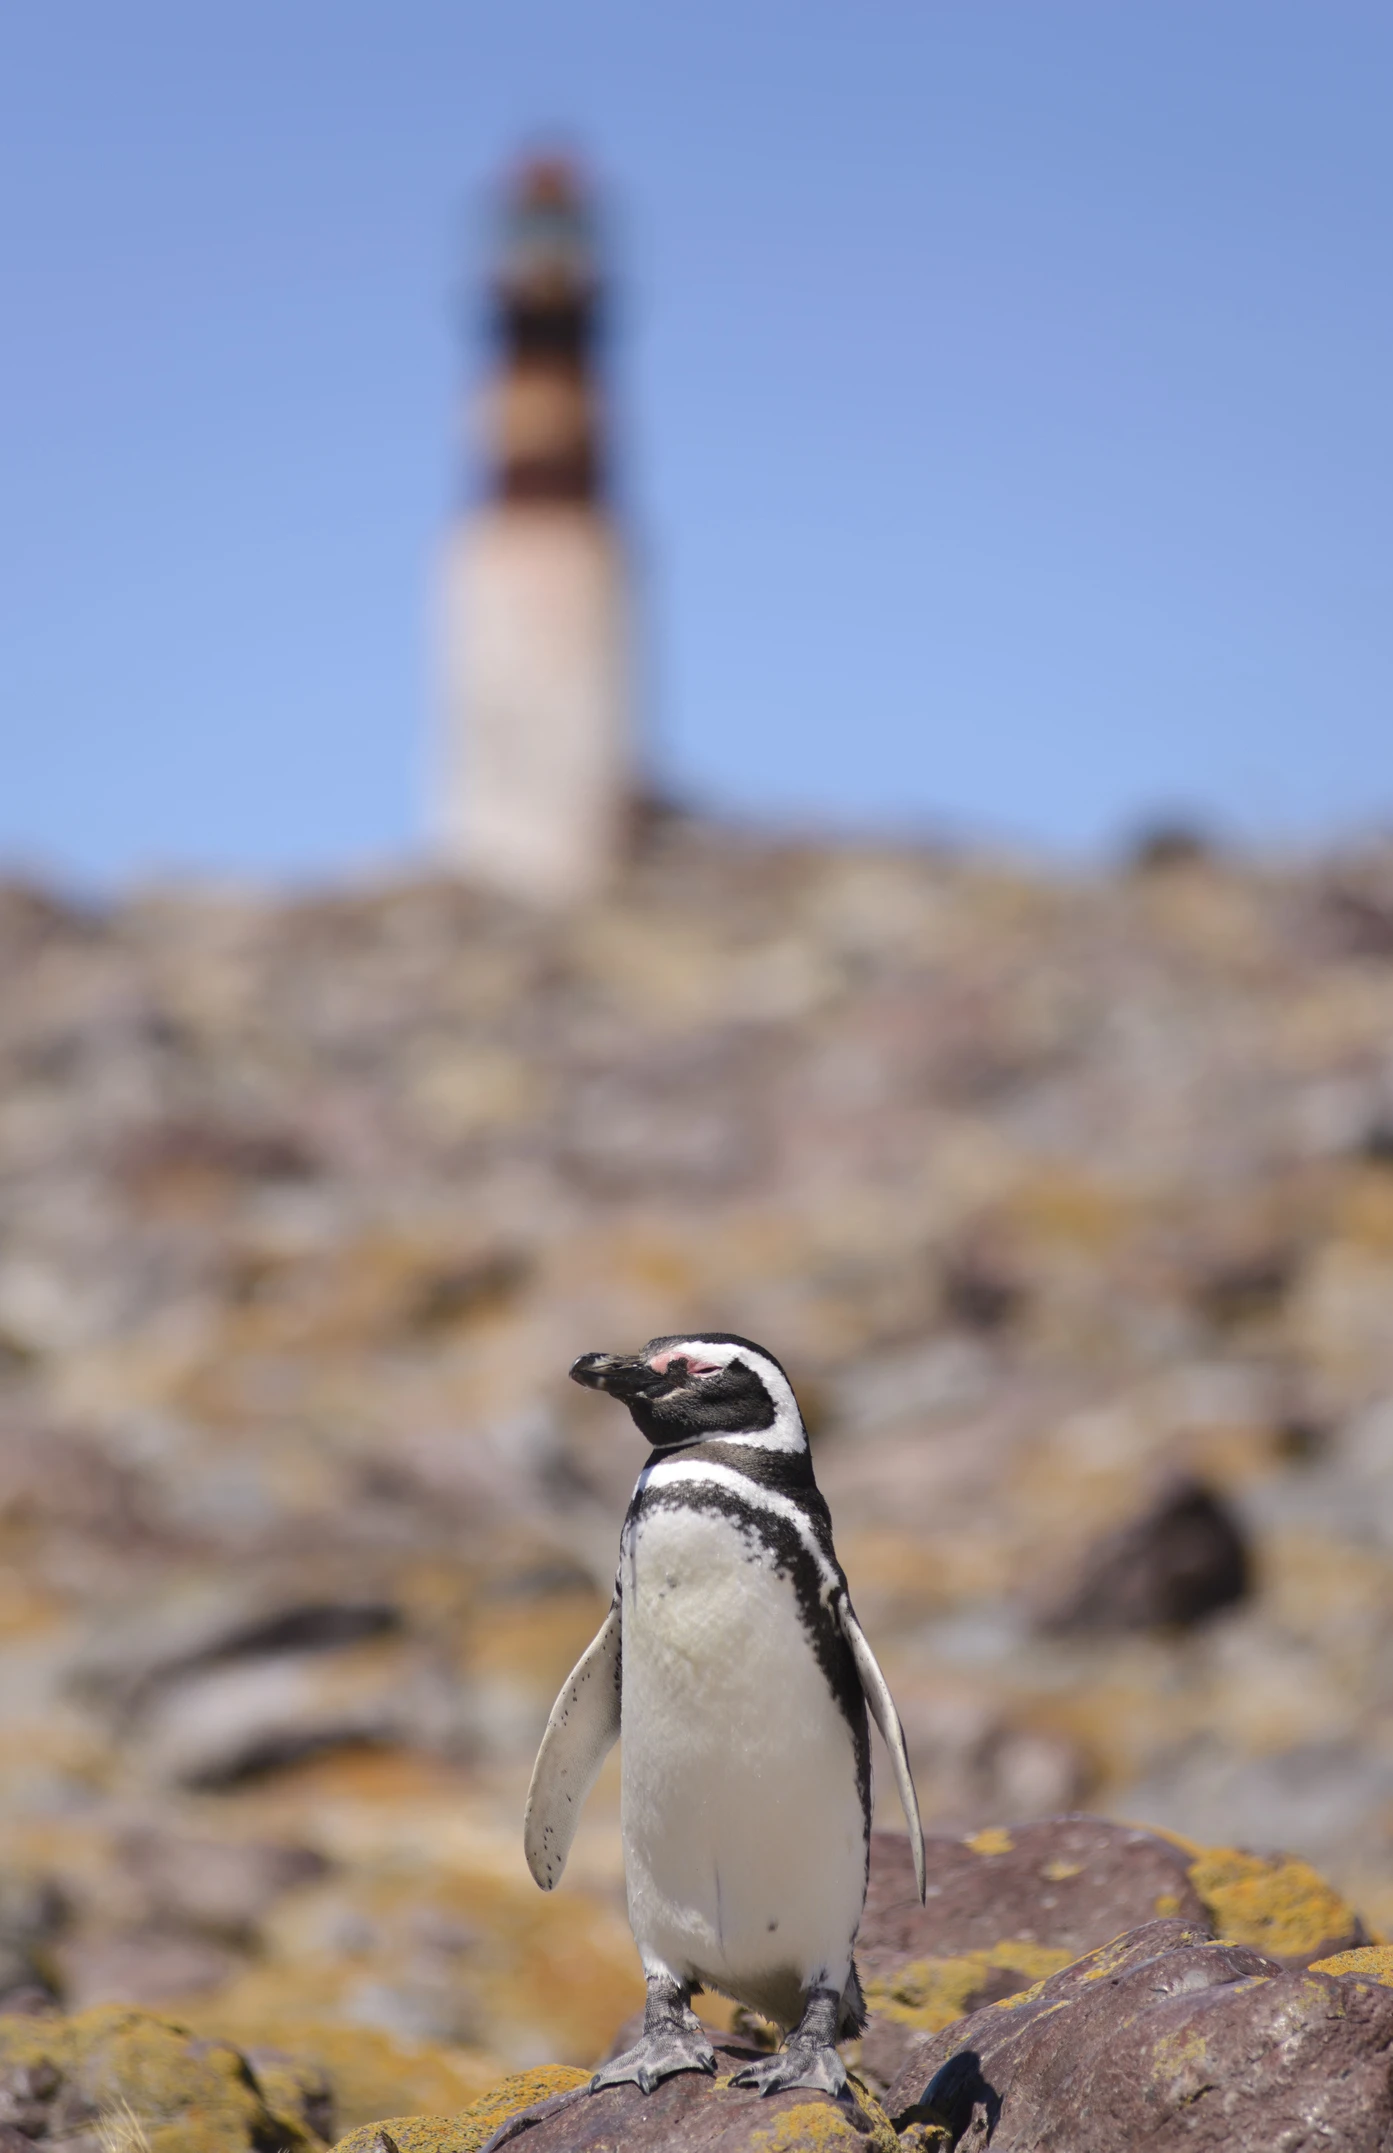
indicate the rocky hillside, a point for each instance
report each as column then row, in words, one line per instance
column 1068, row 1203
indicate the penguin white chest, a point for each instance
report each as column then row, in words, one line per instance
column 744, row 1835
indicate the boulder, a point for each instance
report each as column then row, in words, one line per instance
column 1065, row 1882
column 1009, row 1906
column 114, row 2076
column 1184, row 1558
column 687, row 2114
column 1165, row 2038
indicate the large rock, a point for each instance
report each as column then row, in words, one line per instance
column 550, row 2113
column 81, row 2085
column 1010, row 1906
column 1185, row 1557
column 1067, row 1882
column 1165, row 2038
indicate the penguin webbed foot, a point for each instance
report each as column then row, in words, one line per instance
column 808, row 2057
column 797, row 2063
column 660, row 2054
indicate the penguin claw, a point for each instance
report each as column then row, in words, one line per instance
column 797, row 2064
column 657, row 2056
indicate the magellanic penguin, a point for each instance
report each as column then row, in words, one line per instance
column 740, row 1677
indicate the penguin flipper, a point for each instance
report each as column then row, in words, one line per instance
column 581, row 1732
column 876, row 1691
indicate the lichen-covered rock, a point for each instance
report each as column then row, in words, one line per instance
column 62, row 2080
column 336, row 2077
column 1185, row 1557
column 1044, row 1186
column 1170, row 2039
column 1372, row 1962
column 1065, row 1882
column 686, row 2114
column 1004, row 1908
column 1011, row 1905
column 466, row 2132
column 1276, row 1904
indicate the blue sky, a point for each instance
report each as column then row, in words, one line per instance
column 1006, row 413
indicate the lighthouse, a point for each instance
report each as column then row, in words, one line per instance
column 539, row 686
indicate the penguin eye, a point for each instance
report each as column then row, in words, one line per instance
column 685, row 1366
column 681, row 1367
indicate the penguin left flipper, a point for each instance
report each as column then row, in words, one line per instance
column 581, row 1732
column 876, row 1691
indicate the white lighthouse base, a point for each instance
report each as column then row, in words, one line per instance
column 538, row 683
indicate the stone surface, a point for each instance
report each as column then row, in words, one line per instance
column 1164, row 2038
column 1048, row 1189
column 1066, row 1882
column 1009, row 1911
column 1184, row 1558
column 63, row 2082
column 689, row 2113
column 1007, row 1907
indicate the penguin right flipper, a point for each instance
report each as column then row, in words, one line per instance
column 876, row 1691
column 582, row 1730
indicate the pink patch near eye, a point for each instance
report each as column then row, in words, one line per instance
column 661, row 1362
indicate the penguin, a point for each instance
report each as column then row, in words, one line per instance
column 733, row 1663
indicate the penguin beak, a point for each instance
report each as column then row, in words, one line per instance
column 623, row 1375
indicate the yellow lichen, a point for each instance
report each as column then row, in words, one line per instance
column 1373, row 1961
column 1177, row 1839
column 1279, row 1906
column 1098, row 1964
column 1022, row 1996
column 1167, row 1905
column 994, row 1840
column 930, row 1993
column 823, row 2127
column 1055, row 1872
column 149, row 2085
column 465, row 2132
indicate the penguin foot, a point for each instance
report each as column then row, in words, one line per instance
column 797, row 2063
column 659, row 2055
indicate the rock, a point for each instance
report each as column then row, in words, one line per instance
column 69, row 2083
column 1046, row 1184
column 465, row 2132
column 1165, row 2038
column 223, row 1886
column 687, row 2114
column 1276, row 1904
column 348, row 2075
column 1010, row 1906
column 205, row 1623
column 1003, row 1909
column 1184, row 1558
column 234, row 1721
column 1244, row 1286
column 1068, row 1883
column 179, row 1164
column 1160, row 847
column 33, row 1914
column 140, row 1966
column 295, row 2087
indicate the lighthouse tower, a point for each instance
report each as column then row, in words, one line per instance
column 538, row 665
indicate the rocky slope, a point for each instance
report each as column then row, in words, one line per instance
column 1069, row 1204
column 1070, row 1982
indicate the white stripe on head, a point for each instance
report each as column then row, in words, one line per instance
column 786, row 1431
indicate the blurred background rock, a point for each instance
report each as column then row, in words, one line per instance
column 1064, row 1190
column 1067, row 1200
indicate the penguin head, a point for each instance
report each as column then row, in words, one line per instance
column 700, row 1389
